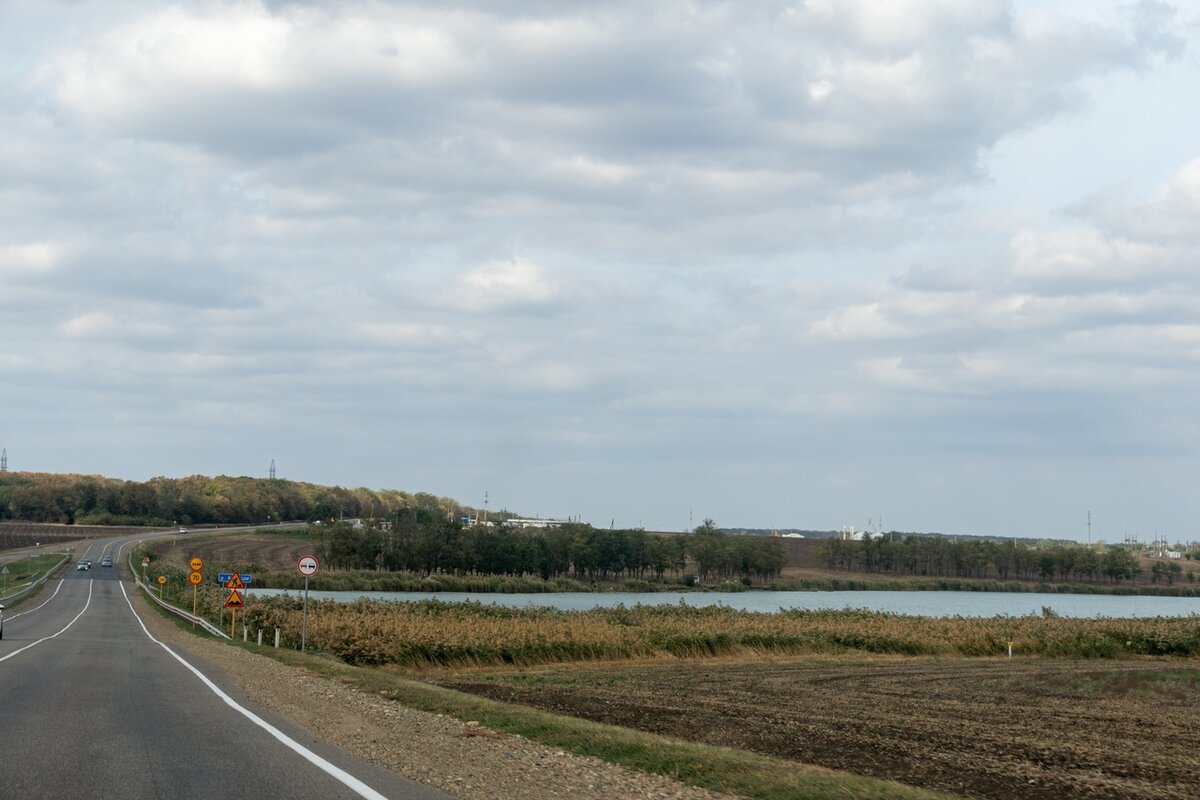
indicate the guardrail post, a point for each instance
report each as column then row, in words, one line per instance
column 245, row 634
column 277, row 637
column 260, row 637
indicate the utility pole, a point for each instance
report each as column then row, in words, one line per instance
column 1089, row 529
column 4, row 460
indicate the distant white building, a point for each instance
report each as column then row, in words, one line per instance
column 534, row 522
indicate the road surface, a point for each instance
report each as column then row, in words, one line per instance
column 91, row 706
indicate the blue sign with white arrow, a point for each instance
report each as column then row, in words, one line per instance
column 225, row 577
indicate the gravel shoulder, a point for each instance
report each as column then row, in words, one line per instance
column 465, row 760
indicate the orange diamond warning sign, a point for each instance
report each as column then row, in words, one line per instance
column 235, row 600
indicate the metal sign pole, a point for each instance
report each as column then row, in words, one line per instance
column 304, row 625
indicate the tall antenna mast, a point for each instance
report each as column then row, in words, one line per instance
column 485, row 505
column 4, row 460
column 272, row 473
column 1089, row 528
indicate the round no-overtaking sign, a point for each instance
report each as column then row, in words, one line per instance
column 307, row 565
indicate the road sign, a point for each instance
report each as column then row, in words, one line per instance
column 225, row 577
column 234, row 600
column 196, row 564
column 5, row 570
column 195, row 578
column 307, row 565
column 145, row 560
column 162, row 578
column 235, row 582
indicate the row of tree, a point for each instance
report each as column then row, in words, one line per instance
column 935, row 556
column 195, row 500
column 419, row 540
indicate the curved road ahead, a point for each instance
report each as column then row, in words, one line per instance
column 91, row 706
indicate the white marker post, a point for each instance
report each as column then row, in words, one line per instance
column 306, row 566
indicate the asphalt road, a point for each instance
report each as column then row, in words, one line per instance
column 92, row 707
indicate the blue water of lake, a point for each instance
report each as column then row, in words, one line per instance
column 921, row 604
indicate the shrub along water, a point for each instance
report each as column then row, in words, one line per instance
column 432, row 634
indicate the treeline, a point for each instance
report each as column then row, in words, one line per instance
column 421, row 541
column 933, row 556
column 195, row 500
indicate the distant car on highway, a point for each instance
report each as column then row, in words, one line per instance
column 182, row 529
column 1, row 621
column 83, row 566
column 106, row 561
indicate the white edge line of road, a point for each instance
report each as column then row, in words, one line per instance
column 35, row 608
column 51, row 636
column 334, row 771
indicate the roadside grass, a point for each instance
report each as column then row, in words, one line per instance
column 720, row 769
column 22, row 571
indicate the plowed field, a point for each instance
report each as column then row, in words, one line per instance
column 982, row 728
column 271, row 551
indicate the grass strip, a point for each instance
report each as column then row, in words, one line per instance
column 724, row 770
column 22, row 570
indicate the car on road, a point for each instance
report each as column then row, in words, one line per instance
column 83, row 566
column 106, row 561
column 182, row 529
column 1, row 621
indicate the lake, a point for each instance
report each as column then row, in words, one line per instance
column 921, row 604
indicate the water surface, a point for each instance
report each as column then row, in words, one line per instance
column 921, row 604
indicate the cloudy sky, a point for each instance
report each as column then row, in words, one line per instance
column 782, row 264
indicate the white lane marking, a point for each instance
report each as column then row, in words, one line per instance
column 51, row 636
column 334, row 771
column 35, row 608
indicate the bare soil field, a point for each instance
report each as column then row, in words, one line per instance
column 271, row 551
column 983, row 728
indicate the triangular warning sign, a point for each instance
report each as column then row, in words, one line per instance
column 235, row 582
column 234, row 600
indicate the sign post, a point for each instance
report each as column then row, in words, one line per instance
column 162, row 581
column 306, row 566
column 234, row 602
column 145, row 563
column 195, row 579
column 4, row 572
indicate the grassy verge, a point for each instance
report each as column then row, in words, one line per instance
column 720, row 769
column 22, row 571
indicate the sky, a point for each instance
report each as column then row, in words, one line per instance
column 920, row 265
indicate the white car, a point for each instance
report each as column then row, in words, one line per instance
column 1, row 622
column 83, row 566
